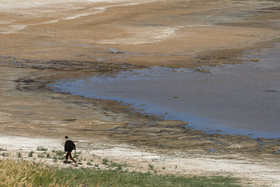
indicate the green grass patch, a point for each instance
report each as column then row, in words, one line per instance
column 92, row 177
column 23, row 173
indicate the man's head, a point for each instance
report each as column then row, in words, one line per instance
column 66, row 137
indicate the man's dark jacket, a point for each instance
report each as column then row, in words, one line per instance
column 69, row 146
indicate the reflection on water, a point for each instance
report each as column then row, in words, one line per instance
column 240, row 99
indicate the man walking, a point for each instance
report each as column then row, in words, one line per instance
column 68, row 147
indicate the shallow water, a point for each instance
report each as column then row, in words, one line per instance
column 236, row 99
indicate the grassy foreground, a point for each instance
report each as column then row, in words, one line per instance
column 24, row 173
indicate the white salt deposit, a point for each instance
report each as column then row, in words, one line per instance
column 53, row 8
column 142, row 36
column 15, row 4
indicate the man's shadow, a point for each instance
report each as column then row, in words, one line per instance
column 68, row 162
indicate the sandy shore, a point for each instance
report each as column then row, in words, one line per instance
column 41, row 43
column 253, row 172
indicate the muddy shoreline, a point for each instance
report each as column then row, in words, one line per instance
column 236, row 99
column 110, row 129
column 124, row 124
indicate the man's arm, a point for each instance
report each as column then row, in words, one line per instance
column 74, row 145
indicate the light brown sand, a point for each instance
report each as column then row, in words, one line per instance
column 146, row 32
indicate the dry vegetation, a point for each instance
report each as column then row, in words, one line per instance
column 23, row 173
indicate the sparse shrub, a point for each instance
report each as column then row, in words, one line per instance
column 89, row 163
column 3, row 149
column 4, row 154
column 30, row 154
column 76, row 155
column 105, row 161
column 48, row 155
column 151, row 167
column 116, row 165
column 41, row 155
column 54, row 158
column 40, row 148
column 59, row 153
column 19, row 155
column 119, row 167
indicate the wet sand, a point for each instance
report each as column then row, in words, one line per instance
column 41, row 43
